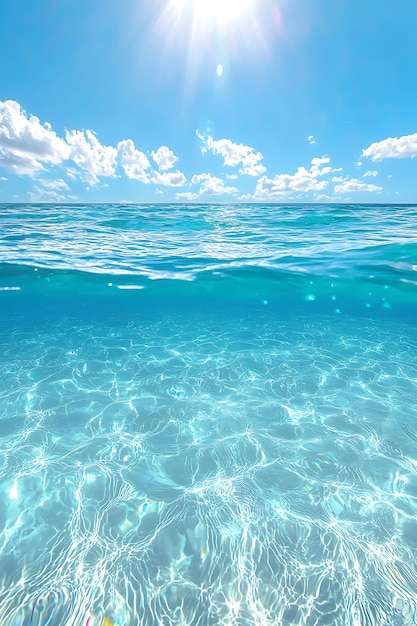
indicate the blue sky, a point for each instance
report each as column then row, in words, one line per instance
column 208, row 101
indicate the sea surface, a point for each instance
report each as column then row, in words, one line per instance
column 208, row 415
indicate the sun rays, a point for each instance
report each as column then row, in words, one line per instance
column 220, row 11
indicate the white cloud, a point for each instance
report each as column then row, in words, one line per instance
column 283, row 185
column 133, row 162
column 317, row 161
column 234, row 154
column 55, row 185
column 164, row 158
column 93, row 159
column 359, row 164
column 251, row 167
column 26, row 144
column 322, row 197
column 311, row 139
column 316, row 170
column 169, row 179
column 354, row 185
column 187, row 195
column 370, row 173
column 42, row 195
column 72, row 173
column 136, row 165
column 392, row 148
column 232, row 176
column 3, row 178
column 211, row 185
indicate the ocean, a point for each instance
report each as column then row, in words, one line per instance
column 208, row 415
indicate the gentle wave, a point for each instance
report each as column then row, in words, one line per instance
column 290, row 276
column 175, row 241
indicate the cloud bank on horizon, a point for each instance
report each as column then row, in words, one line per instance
column 33, row 149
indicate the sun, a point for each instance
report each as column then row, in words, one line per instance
column 218, row 10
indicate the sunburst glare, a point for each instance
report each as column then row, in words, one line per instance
column 214, row 34
column 219, row 10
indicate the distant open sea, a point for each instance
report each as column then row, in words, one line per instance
column 208, row 415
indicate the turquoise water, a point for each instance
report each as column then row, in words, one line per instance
column 208, row 415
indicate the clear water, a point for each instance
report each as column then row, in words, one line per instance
column 208, row 415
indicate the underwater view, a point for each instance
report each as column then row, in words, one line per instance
column 208, row 415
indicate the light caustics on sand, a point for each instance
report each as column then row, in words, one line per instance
column 208, row 473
